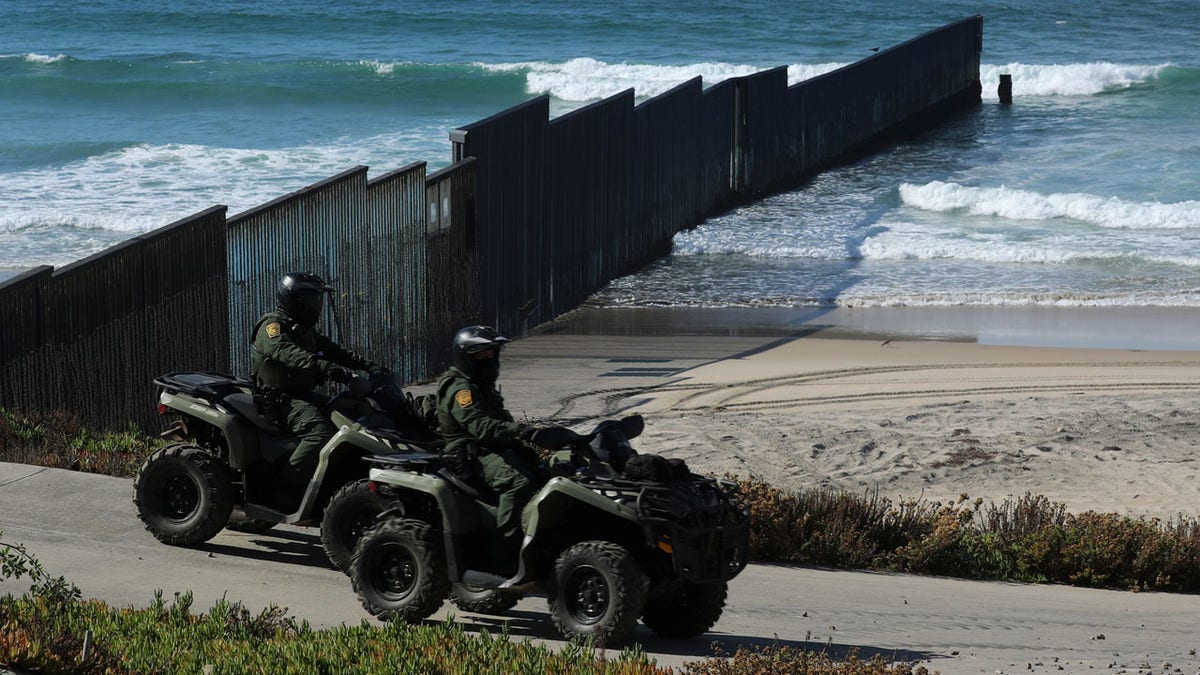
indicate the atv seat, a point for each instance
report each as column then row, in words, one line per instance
column 422, row 462
column 243, row 404
column 407, row 461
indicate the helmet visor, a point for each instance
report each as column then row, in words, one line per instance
column 309, row 305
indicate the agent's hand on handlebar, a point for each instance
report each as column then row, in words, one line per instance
column 340, row 374
column 553, row 437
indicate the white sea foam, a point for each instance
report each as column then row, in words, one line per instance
column 1108, row 212
column 37, row 58
column 385, row 68
column 143, row 187
column 586, row 79
column 1013, row 299
column 1072, row 79
column 988, row 250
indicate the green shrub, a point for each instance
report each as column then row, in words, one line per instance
column 785, row 660
column 1025, row 539
column 58, row 440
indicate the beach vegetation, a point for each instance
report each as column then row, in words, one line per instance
column 58, row 439
column 1029, row 538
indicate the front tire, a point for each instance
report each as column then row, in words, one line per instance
column 350, row 512
column 399, row 570
column 483, row 600
column 687, row 610
column 183, row 494
column 598, row 591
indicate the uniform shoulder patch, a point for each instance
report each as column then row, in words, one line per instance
column 273, row 329
column 463, row 398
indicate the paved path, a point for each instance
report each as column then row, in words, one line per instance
column 84, row 527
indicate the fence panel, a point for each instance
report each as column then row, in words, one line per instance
column 768, row 152
column 510, row 180
column 320, row 229
column 667, row 193
column 95, row 320
column 21, row 338
column 396, row 222
column 186, row 282
column 21, row 331
column 452, row 267
column 721, row 125
column 587, row 201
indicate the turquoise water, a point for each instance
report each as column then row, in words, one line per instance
column 123, row 116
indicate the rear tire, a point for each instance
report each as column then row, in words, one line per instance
column 399, row 570
column 350, row 512
column 598, row 591
column 183, row 494
column 687, row 611
column 483, row 600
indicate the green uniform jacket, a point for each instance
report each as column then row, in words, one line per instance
column 296, row 358
column 470, row 412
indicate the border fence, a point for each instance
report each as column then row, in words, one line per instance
column 533, row 216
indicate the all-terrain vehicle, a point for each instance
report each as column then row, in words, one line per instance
column 224, row 469
column 612, row 537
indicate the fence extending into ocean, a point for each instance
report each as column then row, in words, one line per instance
column 533, row 216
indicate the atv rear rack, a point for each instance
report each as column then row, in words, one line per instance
column 209, row 385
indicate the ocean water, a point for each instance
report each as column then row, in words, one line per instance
column 122, row 116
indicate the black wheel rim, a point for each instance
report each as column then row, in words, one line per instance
column 179, row 498
column 394, row 573
column 356, row 525
column 587, row 594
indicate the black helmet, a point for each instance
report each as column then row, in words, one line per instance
column 302, row 296
column 472, row 340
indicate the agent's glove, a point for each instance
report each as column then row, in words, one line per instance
column 553, row 437
column 340, row 374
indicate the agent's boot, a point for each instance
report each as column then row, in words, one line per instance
column 289, row 490
column 505, row 554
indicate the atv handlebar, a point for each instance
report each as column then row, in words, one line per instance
column 557, row 438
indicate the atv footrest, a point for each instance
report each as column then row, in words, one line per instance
column 483, row 579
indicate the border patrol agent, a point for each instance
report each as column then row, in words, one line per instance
column 291, row 359
column 483, row 435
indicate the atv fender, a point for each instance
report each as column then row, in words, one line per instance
column 240, row 439
column 352, row 438
column 459, row 513
column 564, row 505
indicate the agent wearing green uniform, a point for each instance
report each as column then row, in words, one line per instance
column 483, row 435
column 291, row 359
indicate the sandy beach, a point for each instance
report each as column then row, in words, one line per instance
column 935, row 415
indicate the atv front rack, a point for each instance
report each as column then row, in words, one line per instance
column 707, row 529
column 701, row 522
